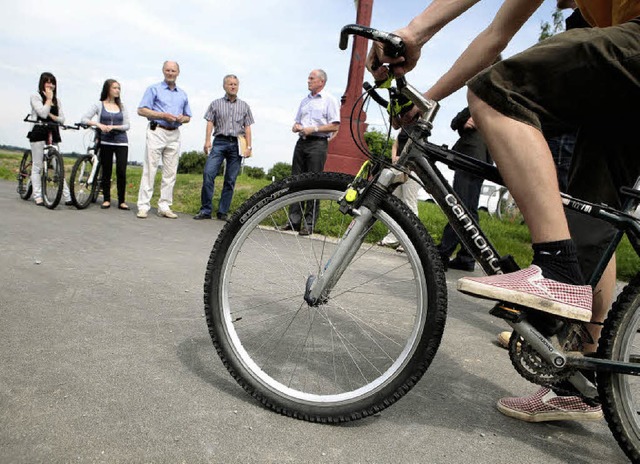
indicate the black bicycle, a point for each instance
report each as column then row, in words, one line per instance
column 52, row 172
column 333, row 328
column 86, row 174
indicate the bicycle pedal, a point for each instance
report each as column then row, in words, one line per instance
column 508, row 311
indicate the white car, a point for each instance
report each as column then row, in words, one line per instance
column 488, row 200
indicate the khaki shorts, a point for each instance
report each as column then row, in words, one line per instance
column 587, row 78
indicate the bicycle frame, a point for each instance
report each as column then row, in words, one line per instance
column 420, row 156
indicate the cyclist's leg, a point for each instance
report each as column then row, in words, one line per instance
column 37, row 154
column 512, row 110
column 519, row 148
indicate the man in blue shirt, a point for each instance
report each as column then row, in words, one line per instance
column 166, row 107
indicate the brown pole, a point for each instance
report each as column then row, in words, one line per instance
column 343, row 155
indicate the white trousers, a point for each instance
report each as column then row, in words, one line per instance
column 37, row 156
column 162, row 145
column 407, row 192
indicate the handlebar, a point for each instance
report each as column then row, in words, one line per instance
column 393, row 44
column 393, row 47
column 51, row 123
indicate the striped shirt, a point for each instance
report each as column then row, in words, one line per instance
column 229, row 117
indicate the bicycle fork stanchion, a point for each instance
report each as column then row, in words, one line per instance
column 319, row 287
column 94, row 168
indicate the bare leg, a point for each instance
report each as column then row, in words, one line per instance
column 526, row 165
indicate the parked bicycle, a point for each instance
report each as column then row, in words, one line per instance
column 52, row 172
column 86, row 175
column 332, row 328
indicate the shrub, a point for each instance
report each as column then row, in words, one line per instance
column 192, row 162
column 378, row 143
column 254, row 172
column 279, row 171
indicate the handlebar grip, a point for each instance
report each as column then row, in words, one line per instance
column 393, row 44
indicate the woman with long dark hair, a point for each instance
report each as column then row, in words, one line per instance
column 45, row 107
column 113, row 123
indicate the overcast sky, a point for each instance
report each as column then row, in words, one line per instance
column 271, row 45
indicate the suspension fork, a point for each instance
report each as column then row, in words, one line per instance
column 319, row 286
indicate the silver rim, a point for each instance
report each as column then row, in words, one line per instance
column 628, row 386
column 341, row 351
column 81, row 188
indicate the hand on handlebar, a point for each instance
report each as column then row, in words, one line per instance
column 397, row 66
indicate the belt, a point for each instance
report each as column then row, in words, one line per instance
column 314, row 137
column 233, row 138
column 167, row 127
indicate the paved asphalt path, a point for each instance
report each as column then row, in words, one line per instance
column 105, row 357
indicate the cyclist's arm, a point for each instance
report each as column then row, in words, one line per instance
column 418, row 32
column 484, row 49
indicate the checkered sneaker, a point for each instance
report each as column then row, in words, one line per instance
column 529, row 288
column 545, row 405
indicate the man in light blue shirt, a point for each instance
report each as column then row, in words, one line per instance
column 166, row 107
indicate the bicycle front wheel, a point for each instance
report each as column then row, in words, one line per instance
column 25, row 189
column 620, row 394
column 83, row 186
column 52, row 179
column 365, row 345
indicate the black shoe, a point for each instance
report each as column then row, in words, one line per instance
column 288, row 227
column 222, row 216
column 199, row 216
column 68, row 203
column 305, row 231
column 105, row 205
column 461, row 265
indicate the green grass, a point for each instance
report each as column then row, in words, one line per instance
column 508, row 238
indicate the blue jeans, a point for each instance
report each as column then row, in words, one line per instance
column 221, row 150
